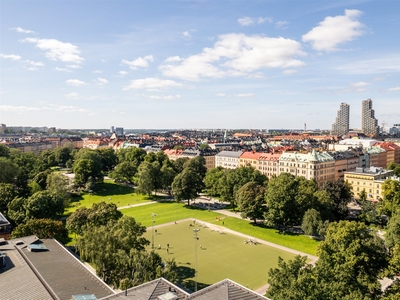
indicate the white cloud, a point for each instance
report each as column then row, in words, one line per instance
column 142, row 62
column 97, row 72
column 123, row 73
column 17, row 109
column 261, row 20
column 235, row 55
column 62, row 69
column 247, row 95
column 333, row 31
column 151, row 83
column 186, row 34
column 359, row 84
column 74, row 66
column 65, row 108
column 220, row 95
column 10, row 56
column 102, row 80
column 288, row 72
column 281, row 24
column 386, row 64
column 157, row 97
column 56, row 50
column 34, row 63
column 247, row 21
column 72, row 95
column 75, row 82
column 19, row 29
column 395, row 89
column 173, row 59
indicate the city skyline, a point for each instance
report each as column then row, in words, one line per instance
column 197, row 64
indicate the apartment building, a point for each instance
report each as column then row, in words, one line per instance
column 344, row 161
column 368, row 179
column 268, row 163
column 341, row 125
column 228, row 159
column 315, row 165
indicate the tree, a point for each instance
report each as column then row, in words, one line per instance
column 100, row 244
column 250, row 201
column 312, row 222
column 148, row 178
column 43, row 205
column 280, row 198
column 187, row 185
column 292, row 280
column 212, row 181
column 4, row 151
column 108, row 158
column 341, row 194
column 9, row 171
column 7, row 194
column 124, row 171
column 97, row 215
column 395, row 167
column 178, row 164
column 58, row 185
column 391, row 197
column 392, row 236
column 198, row 164
column 167, row 176
column 132, row 154
column 87, row 166
column 62, row 155
column 42, row 228
column 351, row 260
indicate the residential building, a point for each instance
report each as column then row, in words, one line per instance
column 268, row 163
column 249, row 158
column 377, row 157
column 369, row 125
column 344, row 161
column 368, row 179
column 341, row 125
column 5, row 227
column 228, row 159
column 319, row 166
column 392, row 151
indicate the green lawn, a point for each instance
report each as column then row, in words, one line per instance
column 169, row 212
column 109, row 192
column 221, row 256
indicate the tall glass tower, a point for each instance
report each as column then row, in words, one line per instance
column 341, row 126
column 369, row 125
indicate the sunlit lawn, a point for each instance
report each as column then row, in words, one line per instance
column 169, row 212
column 220, row 256
column 109, row 192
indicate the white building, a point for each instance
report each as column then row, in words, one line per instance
column 228, row 159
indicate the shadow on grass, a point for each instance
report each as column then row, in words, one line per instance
column 186, row 272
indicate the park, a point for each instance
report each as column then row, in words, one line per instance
column 227, row 247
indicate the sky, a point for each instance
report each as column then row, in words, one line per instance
column 197, row 64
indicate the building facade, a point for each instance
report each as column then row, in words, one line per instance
column 369, row 125
column 341, row 126
column 227, row 159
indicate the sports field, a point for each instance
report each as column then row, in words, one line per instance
column 220, row 254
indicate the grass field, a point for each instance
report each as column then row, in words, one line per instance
column 221, row 256
column 109, row 192
column 172, row 211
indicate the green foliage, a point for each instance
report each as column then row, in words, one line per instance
column 341, row 194
column 292, row 280
column 7, row 194
column 178, row 164
column 98, row 215
column 391, row 197
column 34, row 187
column 124, row 172
column 212, row 181
column 312, row 222
column 105, row 246
column 108, row 158
column 148, row 178
column 87, row 164
column 4, row 151
column 280, row 198
column 9, row 171
column 250, row 201
column 16, row 210
column 392, row 236
column 350, row 261
column 167, row 174
column 204, row 146
column 44, row 204
column 395, row 167
column 369, row 213
column 62, row 155
column 42, row 228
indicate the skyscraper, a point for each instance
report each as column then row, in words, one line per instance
column 341, row 126
column 369, row 125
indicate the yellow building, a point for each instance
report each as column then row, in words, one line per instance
column 369, row 180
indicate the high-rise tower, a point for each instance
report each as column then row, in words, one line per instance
column 369, row 125
column 341, row 126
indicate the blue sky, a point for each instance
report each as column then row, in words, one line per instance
column 197, row 64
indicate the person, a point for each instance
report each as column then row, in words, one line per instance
column 175, row 222
column 167, row 250
column 201, row 247
column 159, row 246
column 223, row 222
column 167, row 246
